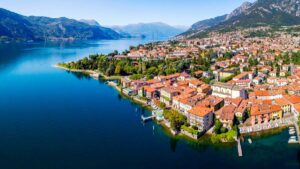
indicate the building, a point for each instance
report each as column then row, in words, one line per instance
column 263, row 113
column 167, row 94
column 213, row 102
column 202, row 117
column 226, row 115
column 225, row 90
column 284, row 104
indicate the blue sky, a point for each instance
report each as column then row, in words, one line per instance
column 122, row 12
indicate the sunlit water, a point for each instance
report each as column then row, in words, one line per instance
column 52, row 119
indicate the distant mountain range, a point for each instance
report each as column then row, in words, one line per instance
column 259, row 13
column 149, row 30
column 14, row 26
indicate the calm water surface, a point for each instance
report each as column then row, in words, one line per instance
column 52, row 119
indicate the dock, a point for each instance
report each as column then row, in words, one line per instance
column 239, row 146
column 144, row 119
column 297, row 131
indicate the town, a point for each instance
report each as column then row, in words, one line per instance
column 225, row 84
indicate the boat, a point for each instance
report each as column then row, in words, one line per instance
column 292, row 140
column 292, row 132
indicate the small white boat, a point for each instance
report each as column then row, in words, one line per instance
column 292, row 132
column 292, row 140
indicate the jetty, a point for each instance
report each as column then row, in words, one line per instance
column 239, row 147
column 145, row 119
column 297, row 131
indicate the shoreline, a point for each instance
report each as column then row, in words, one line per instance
column 91, row 73
column 141, row 103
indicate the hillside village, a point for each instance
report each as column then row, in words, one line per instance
column 230, row 83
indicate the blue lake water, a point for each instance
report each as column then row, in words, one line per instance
column 52, row 119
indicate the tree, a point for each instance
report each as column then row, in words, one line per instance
column 176, row 119
column 118, row 70
column 111, row 70
column 218, row 126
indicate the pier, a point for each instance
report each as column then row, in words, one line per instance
column 297, row 131
column 239, row 147
column 144, row 119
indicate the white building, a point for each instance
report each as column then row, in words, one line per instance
column 225, row 90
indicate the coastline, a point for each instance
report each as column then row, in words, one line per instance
column 207, row 136
column 92, row 73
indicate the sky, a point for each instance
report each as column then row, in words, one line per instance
column 123, row 12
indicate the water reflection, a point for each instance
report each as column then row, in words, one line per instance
column 80, row 75
column 173, row 144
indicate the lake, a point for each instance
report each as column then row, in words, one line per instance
column 53, row 119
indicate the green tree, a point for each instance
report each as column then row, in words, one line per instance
column 218, row 126
column 118, row 70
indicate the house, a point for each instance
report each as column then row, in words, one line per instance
column 167, row 94
column 273, row 73
column 282, row 74
column 198, row 73
column 272, row 80
column 258, row 80
column 137, row 84
column 184, row 76
column 294, row 100
column 263, row 113
column 226, row 115
column 282, row 82
column 225, row 90
column 293, row 88
column 202, row 117
column 241, row 109
column 129, row 92
column 148, row 92
column 125, row 82
column 213, row 102
column 243, row 76
column 284, row 104
column 296, row 110
column 204, row 88
column 286, row 68
column 267, row 94
column 195, row 83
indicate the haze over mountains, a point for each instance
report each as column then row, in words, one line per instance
column 259, row 13
column 149, row 30
column 14, row 26
column 273, row 13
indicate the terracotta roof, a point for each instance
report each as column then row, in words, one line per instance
column 149, row 89
column 261, row 93
column 294, row 99
column 196, row 82
column 281, row 102
column 226, row 113
column 260, row 109
column 200, row 111
column 297, row 108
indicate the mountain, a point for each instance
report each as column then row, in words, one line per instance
column 265, row 12
column 205, row 24
column 14, row 26
column 259, row 13
column 238, row 11
column 90, row 22
column 148, row 30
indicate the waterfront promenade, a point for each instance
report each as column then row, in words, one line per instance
column 284, row 122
